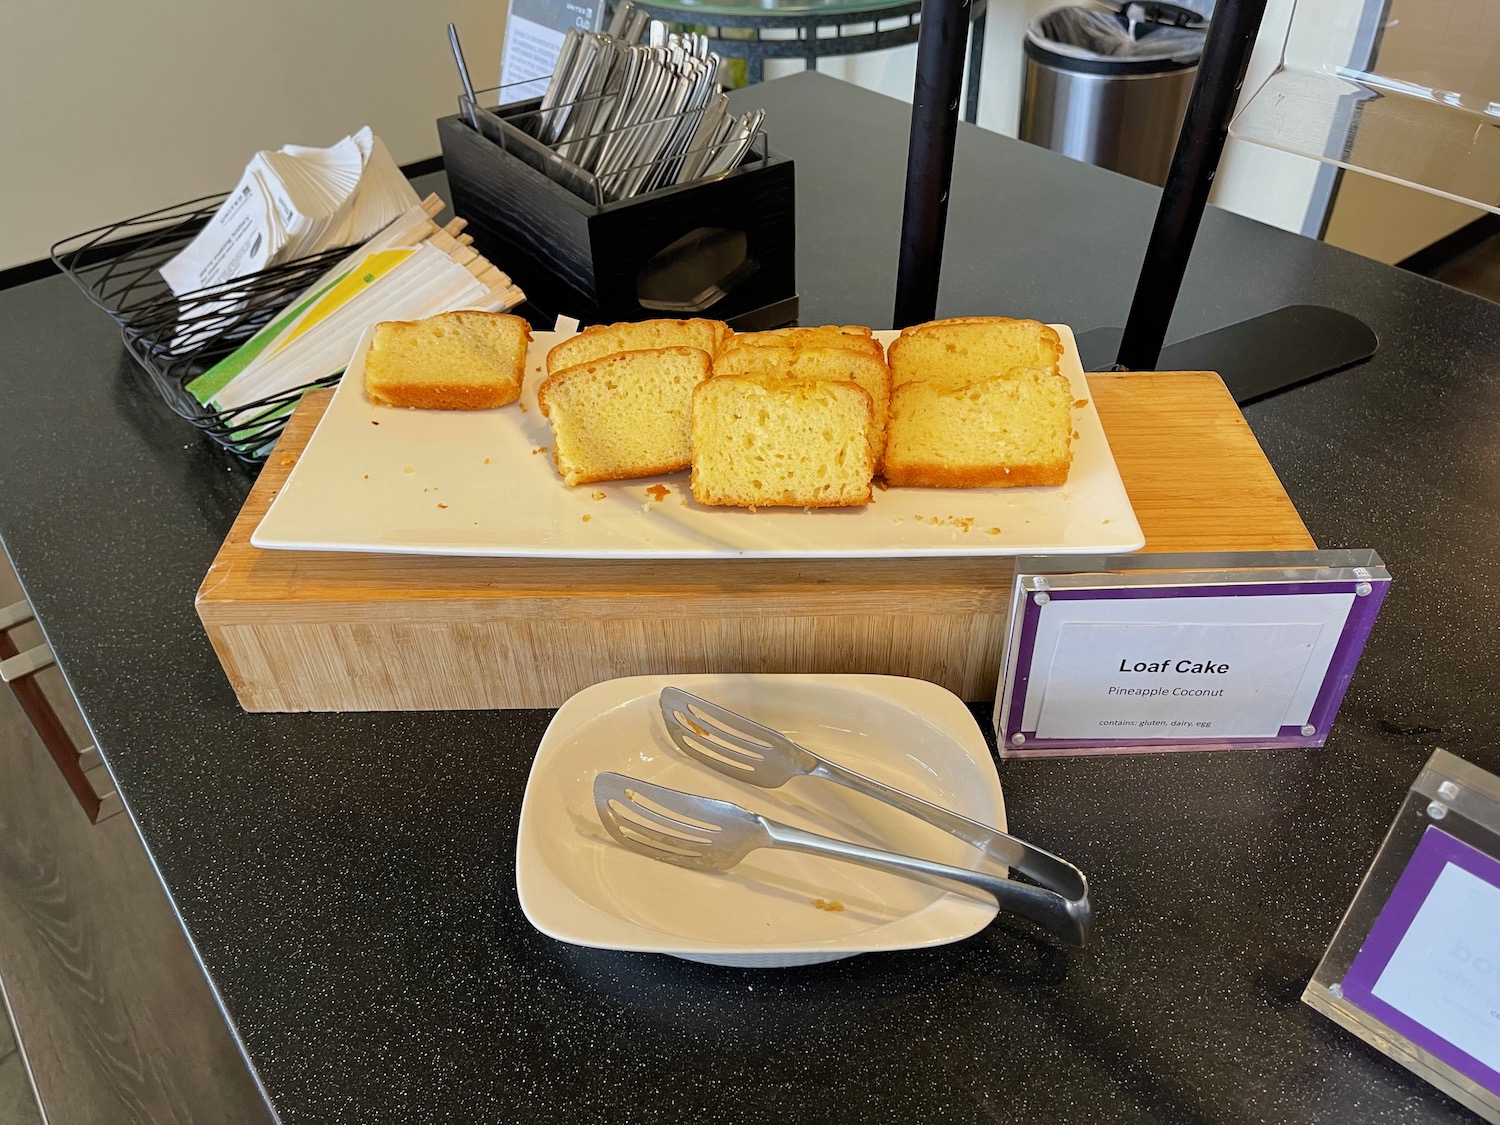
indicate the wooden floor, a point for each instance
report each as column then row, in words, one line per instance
column 111, row 1009
column 17, row 1099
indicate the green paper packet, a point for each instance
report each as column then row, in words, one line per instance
column 217, row 377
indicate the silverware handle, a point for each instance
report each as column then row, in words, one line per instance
column 1049, row 870
column 458, row 61
column 1068, row 921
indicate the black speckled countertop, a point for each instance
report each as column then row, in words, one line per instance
column 349, row 879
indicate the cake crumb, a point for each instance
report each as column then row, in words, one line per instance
column 1081, row 403
column 598, row 496
column 522, row 405
column 367, row 476
column 832, row 905
column 587, row 517
column 442, row 505
column 288, row 460
column 538, row 449
column 409, row 469
column 373, row 422
column 1076, row 435
column 486, row 460
column 659, row 492
column 1106, row 521
column 961, row 523
column 880, row 484
column 994, row 531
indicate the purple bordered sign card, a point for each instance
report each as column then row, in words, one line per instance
column 1182, row 652
column 1414, row 969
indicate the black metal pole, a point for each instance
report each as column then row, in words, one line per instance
column 929, row 158
column 1221, row 73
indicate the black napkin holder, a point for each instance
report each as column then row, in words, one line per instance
column 723, row 248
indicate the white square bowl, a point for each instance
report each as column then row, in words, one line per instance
column 776, row 908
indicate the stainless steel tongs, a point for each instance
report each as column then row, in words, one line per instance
column 747, row 751
column 706, row 834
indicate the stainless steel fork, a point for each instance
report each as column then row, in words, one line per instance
column 706, row 834
column 748, row 751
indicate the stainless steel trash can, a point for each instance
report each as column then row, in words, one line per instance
column 1110, row 85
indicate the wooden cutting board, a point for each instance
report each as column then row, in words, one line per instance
column 311, row 631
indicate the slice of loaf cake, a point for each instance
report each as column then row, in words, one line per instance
column 628, row 414
column 820, row 363
column 453, row 361
column 855, row 337
column 968, row 346
column 645, row 335
column 1002, row 430
column 763, row 440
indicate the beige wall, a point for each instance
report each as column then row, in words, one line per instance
column 113, row 108
column 1387, row 221
column 1264, row 183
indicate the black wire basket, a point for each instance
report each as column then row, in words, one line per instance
column 177, row 338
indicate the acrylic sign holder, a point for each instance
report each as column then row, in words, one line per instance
column 1406, row 90
column 1320, row 605
column 1414, row 969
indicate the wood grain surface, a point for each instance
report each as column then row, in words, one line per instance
column 18, row 1104
column 112, row 1010
column 347, row 632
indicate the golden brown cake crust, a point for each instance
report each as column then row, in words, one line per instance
column 1047, row 336
column 929, row 325
column 935, row 475
column 564, row 354
column 644, row 471
column 438, row 396
column 853, row 337
column 711, row 503
column 550, row 384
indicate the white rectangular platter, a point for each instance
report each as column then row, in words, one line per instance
column 397, row 481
